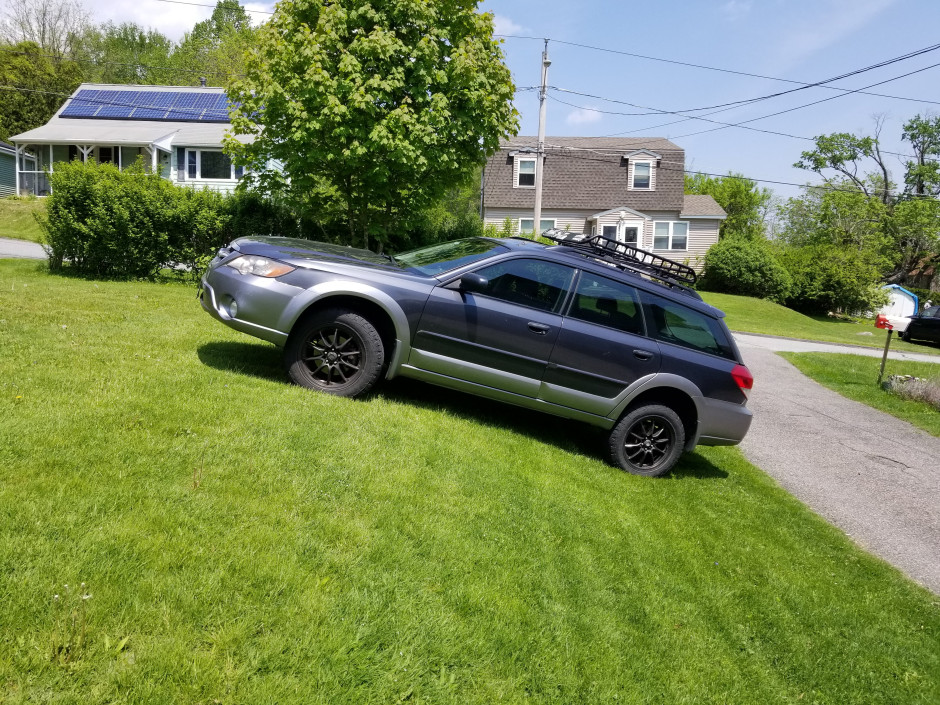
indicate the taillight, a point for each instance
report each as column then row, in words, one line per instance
column 743, row 377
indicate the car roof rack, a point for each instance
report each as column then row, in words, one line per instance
column 626, row 256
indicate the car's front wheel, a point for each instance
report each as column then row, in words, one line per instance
column 336, row 351
column 647, row 441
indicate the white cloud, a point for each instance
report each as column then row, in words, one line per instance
column 583, row 116
column 172, row 19
column 504, row 25
column 736, row 9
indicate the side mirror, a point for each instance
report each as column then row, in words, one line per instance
column 471, row 281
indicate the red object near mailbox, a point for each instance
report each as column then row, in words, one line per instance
column 882, row 322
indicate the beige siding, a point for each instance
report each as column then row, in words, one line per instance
column 702, row 235
column 572, row 220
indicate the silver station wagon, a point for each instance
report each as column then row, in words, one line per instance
column 587, row 328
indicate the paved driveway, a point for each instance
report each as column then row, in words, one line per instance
column 872, row 475
column 20, row 249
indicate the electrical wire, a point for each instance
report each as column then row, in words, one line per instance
column 710, row 68
column 202, row 4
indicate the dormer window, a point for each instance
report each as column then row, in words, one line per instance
column 525, row 172
column 642, row 176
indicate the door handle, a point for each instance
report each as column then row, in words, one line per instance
column 642, row 354
column 538, row 328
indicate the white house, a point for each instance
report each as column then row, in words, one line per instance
column 176, row 130
column 627, row 189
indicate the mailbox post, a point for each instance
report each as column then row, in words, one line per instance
column 882, row 322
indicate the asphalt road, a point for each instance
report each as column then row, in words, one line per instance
column 20, row 249
column 872, row 475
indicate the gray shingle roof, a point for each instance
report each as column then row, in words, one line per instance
column 702, row 206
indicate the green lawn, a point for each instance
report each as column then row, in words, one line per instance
column 246, row 541
column 856, row 377
column 17, row 218
column 749, row 315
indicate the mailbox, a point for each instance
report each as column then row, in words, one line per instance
column 882, row 322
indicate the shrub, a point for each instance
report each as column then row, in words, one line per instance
column 111, row 223
column 914, row 388
column 747, row 267
column 833, row 278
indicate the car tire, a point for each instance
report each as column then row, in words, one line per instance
column 647, row 441
column 335, row 351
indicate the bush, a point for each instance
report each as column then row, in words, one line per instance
column 833, row 278
column 111, row 223
column 747, row 267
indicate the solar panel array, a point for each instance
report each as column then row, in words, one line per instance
column 148, row 105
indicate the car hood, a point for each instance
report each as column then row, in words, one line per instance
column 305, row 252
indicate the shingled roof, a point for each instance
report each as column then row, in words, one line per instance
column 587, row 173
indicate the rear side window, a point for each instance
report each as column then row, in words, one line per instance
column 529, row 282
column 608, row 303
column 673, row 323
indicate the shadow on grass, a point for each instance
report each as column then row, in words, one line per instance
column 264, row 361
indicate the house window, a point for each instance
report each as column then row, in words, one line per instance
column 609, row 231
column 670, row 236
column 525, row 224
column 210, row 164
column 642, row 175
column 526, row 174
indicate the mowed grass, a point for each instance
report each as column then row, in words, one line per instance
column 749, row 315
column 856, row 377
column 246, row 541
column 18, row 218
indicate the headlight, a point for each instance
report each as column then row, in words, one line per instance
column 260, row 266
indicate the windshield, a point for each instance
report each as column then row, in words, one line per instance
column 435, row 259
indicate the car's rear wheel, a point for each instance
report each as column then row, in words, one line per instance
column 336, row 351
column 647, row 441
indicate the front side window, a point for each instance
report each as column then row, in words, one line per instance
column 608, row 303
column 529, row 282
column 642, row 175
column 670, row 235
column 673, row 323
column 210, row 164
column 525, row 224
column 526, row 176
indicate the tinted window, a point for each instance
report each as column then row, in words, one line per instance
column 448, row 255
column 608, row 303
column 529, row 282
column 673, row 323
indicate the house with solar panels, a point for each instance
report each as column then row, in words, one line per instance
column 177, row 131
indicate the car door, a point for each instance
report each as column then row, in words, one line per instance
column 926, row 326
column 602, row 347
column 500, row 336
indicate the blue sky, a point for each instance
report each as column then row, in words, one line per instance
column 799, row 40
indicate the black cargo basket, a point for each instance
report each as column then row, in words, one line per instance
column 626, row 256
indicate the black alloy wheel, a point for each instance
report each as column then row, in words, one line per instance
column 647, row 441
column 335, row 351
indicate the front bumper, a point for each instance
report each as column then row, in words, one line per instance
column 247, row 303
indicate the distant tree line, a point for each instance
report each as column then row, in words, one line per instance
column 832, row 247
column 49, row 47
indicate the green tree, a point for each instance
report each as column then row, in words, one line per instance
column 126, row 53
column 922, row 175
column 745, row 203
column 374, row 109
column 41, row 82
column 216, row 47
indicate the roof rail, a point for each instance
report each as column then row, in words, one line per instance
column 626, row 256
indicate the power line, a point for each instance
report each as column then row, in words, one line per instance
column 202, row 4
column 710, row 68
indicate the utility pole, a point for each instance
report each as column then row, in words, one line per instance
column 540, row 156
